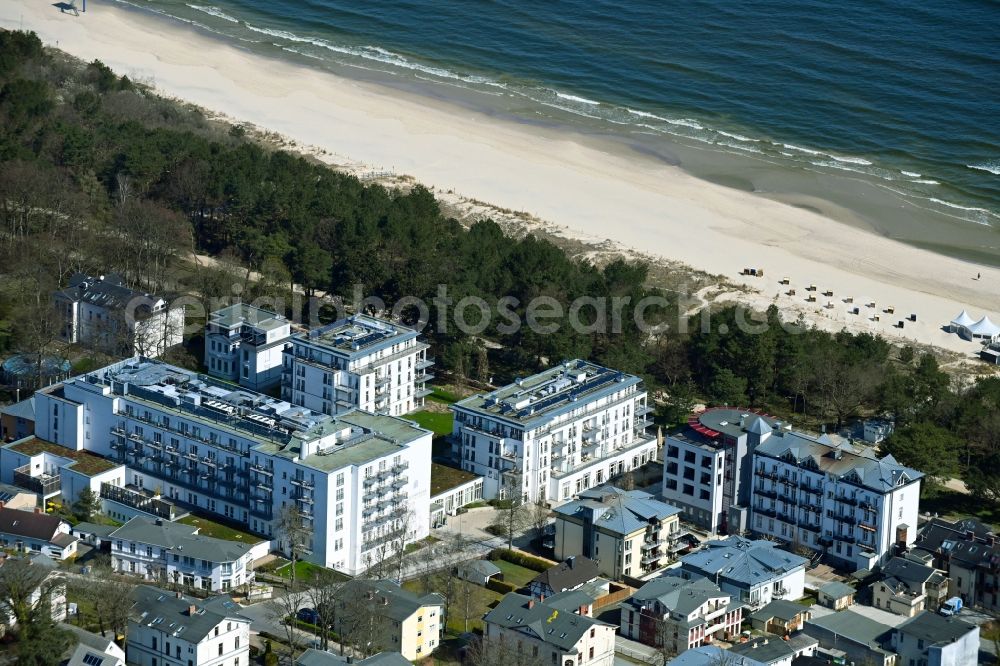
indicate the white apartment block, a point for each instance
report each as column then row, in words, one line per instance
column 169, row 629
column 175, row 553
column 362, row 481
column 245, row 345
column 552, row 435
column 833, row 496
column 102, row 312
column 706, row 468
column 360, row 362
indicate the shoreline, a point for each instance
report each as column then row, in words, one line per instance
column 577, row 183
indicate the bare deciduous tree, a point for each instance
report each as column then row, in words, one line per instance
column 282, row 609
column 294, row 532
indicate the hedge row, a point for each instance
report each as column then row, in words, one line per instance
column 500, row 586
column 521, row 559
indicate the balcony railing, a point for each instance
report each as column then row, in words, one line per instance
column 43, row 484
column 302, row 482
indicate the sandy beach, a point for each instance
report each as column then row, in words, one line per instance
column 591, row 189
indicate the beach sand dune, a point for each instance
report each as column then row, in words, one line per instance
column 597, row 190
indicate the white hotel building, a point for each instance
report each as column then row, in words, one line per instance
column 357, row 363
column 361, row 480
column 552, row 435
column 835, row 496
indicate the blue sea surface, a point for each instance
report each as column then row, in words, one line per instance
column 902, row 95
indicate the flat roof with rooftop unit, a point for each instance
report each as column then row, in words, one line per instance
column 537, row 399
column 358, row 335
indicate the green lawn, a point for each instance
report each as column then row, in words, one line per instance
column 515, row 574
column 307, row 571
column 482, row 601
column 437, row 422
column 440, row 395
column 951, row 505
column 218, row 530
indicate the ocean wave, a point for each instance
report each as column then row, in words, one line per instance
column 971, row 209
column 684, row 122
column 850, row 160
column 214, row 11
column 574, row 98
column 989, row 167
column 800, row 149
column 925, row 181
column 911, row 174
column 738, row 137
column 748, row 149
column 838, row 165
column 375, row 53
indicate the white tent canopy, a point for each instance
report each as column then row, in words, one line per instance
column 984, row 328
column 962, row 320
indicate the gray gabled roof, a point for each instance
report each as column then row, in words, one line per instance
column 171, row 613
column 21, row 410
column 313, row 657
column 771, row 649
column 483, row 568
column 781, row 609
column 935, row 629
column 852, row 626
column 849, row 461
column 569, row 574
column 741, row 560
column 899, row 574
column 616, row 510
column 396, row 603
column 679, row 595
column 837, row 590
column 540, row 620
column 181, row 540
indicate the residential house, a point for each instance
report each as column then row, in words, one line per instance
column 102, row 312
column 390, row 617
column 755, row 572
column 92, row 649
column 929, row 638
column 969, row 551
column 54, row 472
column 17, row 421
column 680, row 614
column 36, row 532
column 835, row 595
column 628, row 532
column 166, row 552
column 780, row 617
column 774, row 651
column 549, row 634
column 908, row 587
column 314, row 657
column 360, row 362
column 245, row 344
column 479, row 572
column 51, row 591
column 170, row 629
column 712, row 655
column 858, row 636
column 555, row 434
column 570, row 574
column 361, row 481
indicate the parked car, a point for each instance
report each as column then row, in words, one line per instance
column 308, row 615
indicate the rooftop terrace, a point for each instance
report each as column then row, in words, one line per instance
column 243, row 313
column 85, row 463
column 358, row 334
column 551, row 392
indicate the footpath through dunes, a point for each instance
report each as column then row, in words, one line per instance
column 586, row 187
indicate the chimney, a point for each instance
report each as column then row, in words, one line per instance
column 571, row 561
column 192, row 609
column 2, row 505
column 177, row 594
column 38, row 510
column 582, row 610
column 531, row 604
